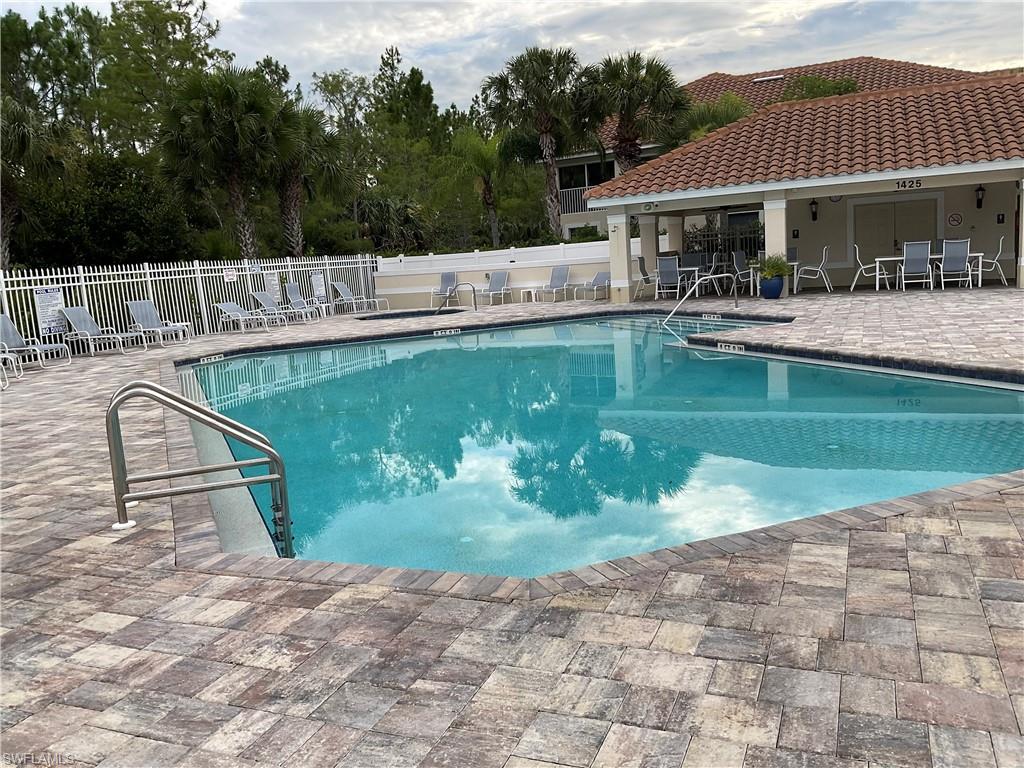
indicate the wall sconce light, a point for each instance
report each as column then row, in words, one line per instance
column 814, row 210
column 979, row 195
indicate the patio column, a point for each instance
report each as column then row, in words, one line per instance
column 775, row 232
column 649, row 242
column 620, row 262
column 1020, row 233
column 674, row 226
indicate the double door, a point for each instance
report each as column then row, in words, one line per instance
column 880, row 229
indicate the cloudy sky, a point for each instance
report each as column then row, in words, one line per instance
column 458, row 43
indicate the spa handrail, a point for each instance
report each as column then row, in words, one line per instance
column 695, row 287
column 228, row 427
column 453, row 292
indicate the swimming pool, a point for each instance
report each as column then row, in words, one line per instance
column 534, row 449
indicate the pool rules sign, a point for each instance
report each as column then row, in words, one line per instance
column 49, row 301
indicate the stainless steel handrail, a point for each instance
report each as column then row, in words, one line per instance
column 455, row 290
column 695, row 287
column 216, row 421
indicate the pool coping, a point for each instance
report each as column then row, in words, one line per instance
column 197, row 545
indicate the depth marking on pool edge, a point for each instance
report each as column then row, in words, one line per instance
column 731, row 347
column 710, row 316
column 448, row 332
column 211, row 359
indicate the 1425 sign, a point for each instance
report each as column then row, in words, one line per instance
column 908, row 184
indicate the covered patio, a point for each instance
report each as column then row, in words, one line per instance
column 858, row 175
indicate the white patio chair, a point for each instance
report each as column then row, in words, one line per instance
column 993, row 264
column 13, row 343
column 148, row 321
column 916, row 263
column 559, row 281
column 446, row 290
column 955, row 263
column 670, row 279
column 644, row 282
column 602, row 280
column 497, row 286
column 868, row 270
column 85, row 328
column 744, row 273
column 810, row 273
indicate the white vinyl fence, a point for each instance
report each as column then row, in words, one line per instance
column 182, row 291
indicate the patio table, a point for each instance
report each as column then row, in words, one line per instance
column 934, row 257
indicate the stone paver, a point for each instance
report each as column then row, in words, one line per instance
column 890, row 637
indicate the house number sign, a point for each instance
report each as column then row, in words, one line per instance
column 909, row 184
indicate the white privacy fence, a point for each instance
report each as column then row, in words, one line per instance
column 182, row 291
column 540, row 255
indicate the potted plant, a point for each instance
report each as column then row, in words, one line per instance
column 774, row 270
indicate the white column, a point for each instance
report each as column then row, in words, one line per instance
column 649, row 242
column 775, row 233
column 1020, row 235
column 619, row 261
column 674, row 226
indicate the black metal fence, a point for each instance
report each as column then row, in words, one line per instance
column 712, row 238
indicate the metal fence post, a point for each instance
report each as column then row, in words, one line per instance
column 82, row 295
column 291, row 274
column 201, row 297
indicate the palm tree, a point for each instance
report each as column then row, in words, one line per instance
column 643, row 98
column 223, row 128
column 32, row 148
column 481, row 159
column 536, row 93
column 704, row 117
column 316, row 155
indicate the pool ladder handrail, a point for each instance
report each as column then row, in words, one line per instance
column 453, row 292
column 228, row 427
column 694, row 288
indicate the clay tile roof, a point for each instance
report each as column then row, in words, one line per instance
column 872, row 74
column 932, row 125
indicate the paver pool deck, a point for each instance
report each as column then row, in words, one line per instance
column 888, row 636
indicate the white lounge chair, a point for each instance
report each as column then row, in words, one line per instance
column 294, row 296
column 85, row 328
column 10, row 359
column 559, row 281
column 270, row 308
column 230, row 312
column 346, row 297
column 602, row 280
column 916, row 264
column 955, row 263
column 497, row 286
column 13, row 343
column 868, row 270
column 147, row 321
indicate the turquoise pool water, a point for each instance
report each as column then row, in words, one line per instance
column 540, row 448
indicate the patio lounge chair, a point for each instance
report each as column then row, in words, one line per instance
column 11, row 359
column 955, row 263
column 670, row 279
column 230, row 312
column 602, row 280
column 446, row 290
column 269, row 307
column 294, row 296
column 993, row 264
column 13, row 343
column 85, row 328
column 346, row 297
column 809, row 273
column 559, row 281
column 868, row 270
column 744, row 272
column 497, row 286
column 147, row 321
column 916, row 263
column 644, row 281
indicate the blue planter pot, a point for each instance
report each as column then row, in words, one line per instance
column 772, row 287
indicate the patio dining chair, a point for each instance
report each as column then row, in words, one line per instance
column 644, row 282
column 811, row 273
column 269, row 308
column 13, row 343
column 497, row 286
column 602, row 280
column 346, row 297
column 230, row 312
column 559, row 281
column 670, row 279
column 85, row 328
column 295, row 300
column 955, row 263
column 991, row 265
column 916, row 263
column 446, row 290
column 868, row 270
column 147, row 320
column 743, row 272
